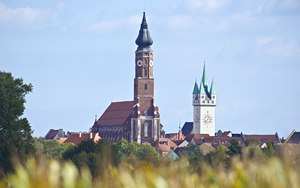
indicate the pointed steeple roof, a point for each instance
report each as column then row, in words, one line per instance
column 202, row 89
column 144, row 41
column 204, row 79
column 212, row 88
column 196, row 90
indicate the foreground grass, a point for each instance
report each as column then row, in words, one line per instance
column 46, row 173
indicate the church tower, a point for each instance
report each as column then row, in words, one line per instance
column 204, row 102
column 145, row 121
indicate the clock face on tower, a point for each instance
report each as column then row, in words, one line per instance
column 139, row 63
column 151, row 63
column 207, row 119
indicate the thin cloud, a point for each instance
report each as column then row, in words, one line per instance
column 205, row 4
column 260, row 41
column 109, row 25
column 178, row 21
column 288, row 49
column 26, row 15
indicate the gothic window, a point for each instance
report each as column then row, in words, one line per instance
column 145, row 87
column 145, row 62
column 146, row 129
column 145, row 72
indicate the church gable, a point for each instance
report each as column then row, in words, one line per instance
column 116, row 114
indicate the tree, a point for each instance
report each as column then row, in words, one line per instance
column 15, row 131
column 269, row 150
column 218, row 156
column 234, row 148
column 253, row 141
column 148, row 153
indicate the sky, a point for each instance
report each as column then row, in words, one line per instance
column 80, row 56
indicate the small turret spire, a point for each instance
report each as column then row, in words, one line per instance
column 202, row 89
column 196, row 91
column 212, row 88
column 144, row 40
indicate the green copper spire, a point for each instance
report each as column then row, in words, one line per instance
column 196, row 91
column 179, row 127
column 204, row 79
column 212, row 88
column 202, row 89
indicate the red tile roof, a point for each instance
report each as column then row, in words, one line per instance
column 199, row 141
column 51, row 134
column 62, row 139
column 222, row 139
column 75, row 139
column 116, row 114
column 225, row 133
column 163, row 147
column 263, row 138
column 195, row 136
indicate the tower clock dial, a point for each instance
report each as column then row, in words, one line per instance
column 207, row 119
column 139, row 63
column 151, row 63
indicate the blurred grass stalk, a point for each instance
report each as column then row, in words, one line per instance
column 253, row 170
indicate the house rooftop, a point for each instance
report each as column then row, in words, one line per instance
column 116, row 114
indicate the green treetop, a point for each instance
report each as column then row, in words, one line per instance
column 15, row 131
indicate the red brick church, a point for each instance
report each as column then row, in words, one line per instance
column 137, row 120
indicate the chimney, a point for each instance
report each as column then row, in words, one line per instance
column 91, row 135
column 167, row 142
column 80, row 134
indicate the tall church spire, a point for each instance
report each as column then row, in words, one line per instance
column 204, row 79
column 144, row 40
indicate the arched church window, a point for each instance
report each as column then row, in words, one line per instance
column 146, row 129
column 145, row 87
column 145, row 72
column 146, row 62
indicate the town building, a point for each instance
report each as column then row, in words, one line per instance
column 76, row 138
column 55, row 134
column 204, row 102
column 137, row 120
